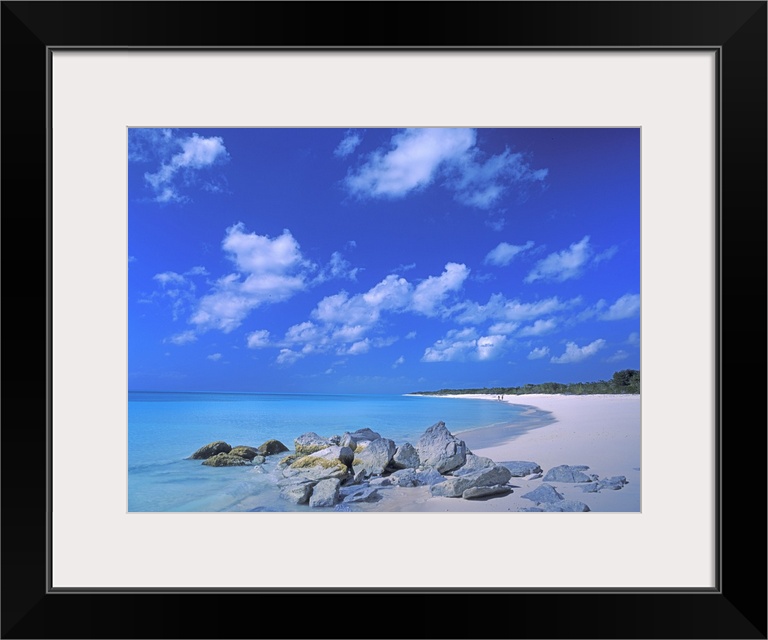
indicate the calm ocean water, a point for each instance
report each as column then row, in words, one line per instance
column 165, row 428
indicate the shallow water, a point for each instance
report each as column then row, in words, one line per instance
column 165, row 428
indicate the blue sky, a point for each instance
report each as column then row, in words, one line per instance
column 381, row 260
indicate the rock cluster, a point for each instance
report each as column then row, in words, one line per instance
column 568, row 473
column 547, row 498
column 221, row 454
column 614, row 484
column 563, row 505
column 521, row 468
column 210, row 449
column 341, row 470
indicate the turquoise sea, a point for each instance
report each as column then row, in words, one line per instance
column 165, row 428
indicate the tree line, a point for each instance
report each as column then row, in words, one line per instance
column 624, row 381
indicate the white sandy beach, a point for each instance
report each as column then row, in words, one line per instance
column 600, row 431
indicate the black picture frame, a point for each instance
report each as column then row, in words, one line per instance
column 736, row 608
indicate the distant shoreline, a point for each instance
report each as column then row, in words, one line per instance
column 472, row 392
column 625, row 382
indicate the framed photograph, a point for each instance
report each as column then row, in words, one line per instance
column 329, row 315
column 237, row 209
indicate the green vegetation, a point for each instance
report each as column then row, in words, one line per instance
column 289, row 459
column 625, row 381
column 306, row 449
column 307, row 462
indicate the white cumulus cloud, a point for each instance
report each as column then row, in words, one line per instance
column 460, row 345
column 353, row 324
column 538, row 353
column 618, row 356
column 627, row 306
column 504, row 253
column 563, row 265
column 185, row 337
column 538, row 328
column 303, row 333
column 287, row 356
column 181, row 158
column 349, row 333
column 454, row 347
column 359, row 347
column 430, row 293
column 338, row 267
column 270, row 270
column 480, row 182
column 411, row 161
column 258, row 339
column 575, row 353
column 490, row 347
column 169, row 277
column 257, row 254
column 416, row 158
column 197, row 271
column 504, row 328
column 392, row 292
column 606, row 255
column 348, row 144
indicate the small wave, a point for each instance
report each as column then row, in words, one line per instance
column 140, row 466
